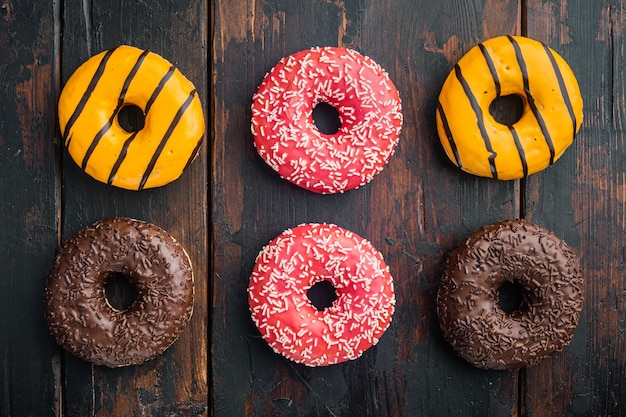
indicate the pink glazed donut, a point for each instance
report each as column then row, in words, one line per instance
column 287, row 138
column 298, row 259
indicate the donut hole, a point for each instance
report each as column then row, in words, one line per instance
column 322, row 295
column 131, row 118
column 507, row 110
column 510, row 297
column 119, row 291
column 326, row 118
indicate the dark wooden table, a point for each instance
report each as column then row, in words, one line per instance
column 229, row 204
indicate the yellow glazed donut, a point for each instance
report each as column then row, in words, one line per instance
column 150, row 157
column 502, row 66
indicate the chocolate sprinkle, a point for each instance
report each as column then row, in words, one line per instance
column 81, row 319
column 552, row 295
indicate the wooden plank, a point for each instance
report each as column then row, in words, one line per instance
column 174, row 383
column 29, row 203
column 415, row 211
column 582, row 199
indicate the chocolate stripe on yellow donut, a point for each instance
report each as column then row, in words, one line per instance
column 127, row 142
column 479, row 118
column 492, row 68
column 120, row 102
column 83, row 101
column 529, row 97
column 194, row 153
column 446, row 127
column 564, row 93
column 168, row 133
column 120, row 158
column 520, row 150
column 157, row 90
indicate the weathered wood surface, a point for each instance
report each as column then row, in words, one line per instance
column 229, row 204
column 46, row 198
column 29, row 203
column 418, row 209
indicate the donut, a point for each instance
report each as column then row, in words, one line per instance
column 503, row 66
column 79, row 315
column 547, row 273
column 369, row 108
column 108, row 82
column 291, row 264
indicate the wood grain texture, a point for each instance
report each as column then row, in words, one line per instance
column 29, row 203
column 582, row 199
column 414, row 212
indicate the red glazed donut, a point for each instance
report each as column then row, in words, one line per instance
column 369, row 111
column 296, row 260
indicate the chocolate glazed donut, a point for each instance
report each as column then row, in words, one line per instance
column 547, row 272
column 77, row 310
